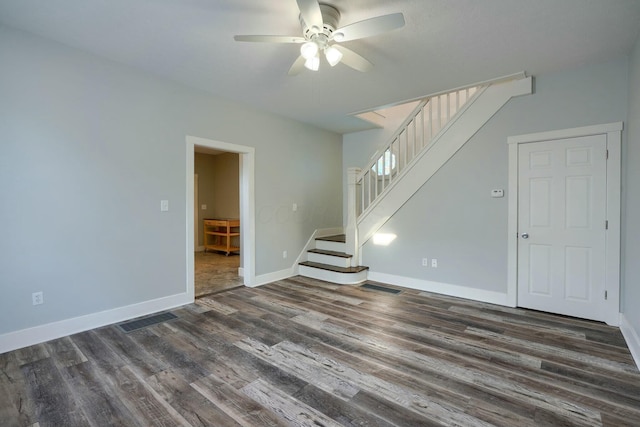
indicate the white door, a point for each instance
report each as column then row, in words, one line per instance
column 561, row 226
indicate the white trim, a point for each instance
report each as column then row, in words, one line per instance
column 240, row 271
column 566, row 133
column 515, row 76
column 333, row 276
column 38, row 334
column 247, row 206
column 302, row 256
column 631, row 337
column 474, row 294
column 614, row 176
column 264, row 279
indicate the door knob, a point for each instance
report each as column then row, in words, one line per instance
column 525, row 235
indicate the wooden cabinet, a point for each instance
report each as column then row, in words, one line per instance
column 219, row 234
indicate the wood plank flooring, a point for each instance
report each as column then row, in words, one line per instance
column 302, row 352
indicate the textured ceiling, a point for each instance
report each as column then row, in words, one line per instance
column 445, row 44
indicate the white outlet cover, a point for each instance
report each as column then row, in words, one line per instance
column 434, row 263
column 164, row 205
column 425, row 262
column 294, row 207
column 497, row 193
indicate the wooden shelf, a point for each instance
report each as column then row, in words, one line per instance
column 218, row 234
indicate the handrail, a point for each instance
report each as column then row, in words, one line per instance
column 412, row 137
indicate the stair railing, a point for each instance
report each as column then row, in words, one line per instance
column 421, row 127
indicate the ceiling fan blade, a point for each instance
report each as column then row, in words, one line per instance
column 270, row 39
column 311, row 14
column 297, row 67
column 369, row 27
column 353, row 60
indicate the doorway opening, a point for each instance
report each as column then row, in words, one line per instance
column 219, row 270
column 217, row 221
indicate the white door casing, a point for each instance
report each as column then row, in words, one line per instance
column 196, row 209
column 247, row 206
column 562, row 193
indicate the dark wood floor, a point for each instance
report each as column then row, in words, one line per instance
column 300, row 352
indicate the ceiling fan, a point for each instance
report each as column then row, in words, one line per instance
column 321, row 34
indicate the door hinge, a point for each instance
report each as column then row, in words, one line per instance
column 605, row 294
column 607, row 157
column 606, row 224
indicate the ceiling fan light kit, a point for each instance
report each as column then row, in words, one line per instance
column 320, row 31
column 308, row 50
column 333, row 55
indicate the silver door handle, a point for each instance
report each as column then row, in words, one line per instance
column 525, row 235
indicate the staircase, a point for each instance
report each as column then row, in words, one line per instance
column 329, row 261
column 438, row 127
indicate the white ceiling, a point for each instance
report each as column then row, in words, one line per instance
column 445, row 44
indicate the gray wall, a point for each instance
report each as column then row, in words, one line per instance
column 453, row 218
column 631, row 200
column 89, row 147
column 218, row 187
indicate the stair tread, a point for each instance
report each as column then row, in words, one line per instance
column 328, row 267
column 330, row 253
column 340, row 238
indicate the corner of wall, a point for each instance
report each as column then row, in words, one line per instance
column 631, row 337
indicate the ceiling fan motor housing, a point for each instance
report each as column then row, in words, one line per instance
column 330, row 19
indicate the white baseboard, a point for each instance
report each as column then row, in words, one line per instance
column 42, row 333
column 631, row 337
column 263, row 279
column 240, row 271
column 482, row 295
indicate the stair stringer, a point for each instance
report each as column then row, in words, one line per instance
column 427, row 163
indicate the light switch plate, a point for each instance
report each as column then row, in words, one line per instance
column 164, row 205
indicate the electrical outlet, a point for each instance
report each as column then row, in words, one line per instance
column 425, row 262
column 203, row 207
column 294, row 207
column 434, row 263
column 284, row 254
column 37, row 298
column 164, row 205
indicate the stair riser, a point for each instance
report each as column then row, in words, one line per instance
column 333, row 277
column 331, row 246
column 328, row 259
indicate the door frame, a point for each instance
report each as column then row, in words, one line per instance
column 613, row 132
column 247, row 207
